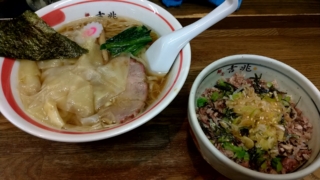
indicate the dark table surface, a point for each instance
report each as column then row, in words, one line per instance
column 12, row 8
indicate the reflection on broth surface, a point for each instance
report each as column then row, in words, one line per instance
column 95, row 91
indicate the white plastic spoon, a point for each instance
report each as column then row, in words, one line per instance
column 162, row 53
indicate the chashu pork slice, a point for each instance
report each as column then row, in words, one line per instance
column 132, row 101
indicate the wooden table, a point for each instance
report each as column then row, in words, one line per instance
column 162, row 148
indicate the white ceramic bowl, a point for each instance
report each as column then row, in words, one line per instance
column 289, row 80
column 152, row 15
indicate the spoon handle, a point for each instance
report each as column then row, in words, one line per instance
column 162, row 53
column 181, row 37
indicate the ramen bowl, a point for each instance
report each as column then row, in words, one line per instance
column 288, row 79
column 62, row 12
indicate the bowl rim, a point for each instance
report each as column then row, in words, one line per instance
column 175, row 87
column 213, row 150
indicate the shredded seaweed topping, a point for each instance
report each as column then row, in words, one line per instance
column 257, row 84
column 29, row 37
column 225, row 86
column 257, row 158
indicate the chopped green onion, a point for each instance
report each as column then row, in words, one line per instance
column 276, row 164
column 236, row 95
column 215, row 96
column 269, row 84
column 238, row 151
column 287, row 98
column 201, row 102
column 263, row 165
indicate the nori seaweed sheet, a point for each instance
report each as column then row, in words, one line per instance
column 29, row 37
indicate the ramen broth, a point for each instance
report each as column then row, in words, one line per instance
column 92, row 92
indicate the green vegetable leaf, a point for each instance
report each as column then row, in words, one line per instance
column 201, row 102
column 276, row 164
column 131, row 40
